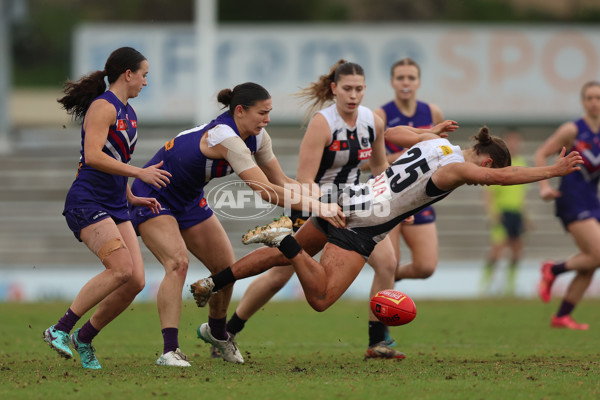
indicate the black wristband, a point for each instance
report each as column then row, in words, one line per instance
column 289, row 247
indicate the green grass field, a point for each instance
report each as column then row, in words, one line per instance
column 488, row 349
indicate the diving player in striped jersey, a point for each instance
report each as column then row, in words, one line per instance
column 339, row 140
column 427, row 172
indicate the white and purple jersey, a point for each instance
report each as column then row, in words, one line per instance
column 420, row 119
column 191, row 170
column 579, row 199
column 96, row 189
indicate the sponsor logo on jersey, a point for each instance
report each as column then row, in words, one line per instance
column 446, row 150
column 364, row 154
column 338, row 145
column 134, row 124
column 203, row 202
column 121, row 125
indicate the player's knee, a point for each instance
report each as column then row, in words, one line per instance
column 123, row 274
column 137, row 284
column 318, row 305
column 178, row 266
column 424, row 270
column 595, row 253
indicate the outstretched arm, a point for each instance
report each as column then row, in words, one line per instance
column 407, row 136
column 454, row 175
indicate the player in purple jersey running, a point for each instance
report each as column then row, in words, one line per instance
column 577, row 205
column 421, row 235
column 405, row 109
column 236, row 141
column 96, row 206
column 339, row 139
column 428, row 172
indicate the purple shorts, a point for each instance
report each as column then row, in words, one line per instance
column 197, row 212
column 79, row 218
column 425, row 216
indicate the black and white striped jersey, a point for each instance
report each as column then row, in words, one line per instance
column 348, row 149
column 373, row 208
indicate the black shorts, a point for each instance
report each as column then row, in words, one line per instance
column 512, row 223
column 344, row 238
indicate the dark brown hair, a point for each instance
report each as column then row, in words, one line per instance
column 320, row 92
column 244, row 94
column 405, row 61
column 492, row 146
column 79, row 95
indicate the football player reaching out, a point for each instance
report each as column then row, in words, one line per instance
column 339, row 139
column 427, row 172
column 186, row 222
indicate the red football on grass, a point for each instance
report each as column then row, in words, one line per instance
column 393, row 308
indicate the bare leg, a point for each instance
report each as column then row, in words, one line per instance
column 268, row 284
column 161, row 235
column 262, row 289
column 116, row 302
column 587, row 236
column 384, row 264
column 325, row 282
column 210, row 244
column 118, row 264
column 423, row 243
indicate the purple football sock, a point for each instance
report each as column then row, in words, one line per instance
column 87, row 333
column 170, row 339
column 67, row 321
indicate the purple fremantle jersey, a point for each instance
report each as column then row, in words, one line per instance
column 580, row 188
column 394, row 117
column 93, row 188
column 191, row 170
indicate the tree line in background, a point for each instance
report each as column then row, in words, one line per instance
column 41, row 37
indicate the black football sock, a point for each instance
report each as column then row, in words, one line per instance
column 289, row 247
column 218, row 328
column 235, row 324
column 565, row 308
column 559, row 268
column 376, row 332
column 222, row 279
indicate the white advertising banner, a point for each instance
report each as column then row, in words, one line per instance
column 475, row 73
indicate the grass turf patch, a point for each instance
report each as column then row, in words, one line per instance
column 488, row 349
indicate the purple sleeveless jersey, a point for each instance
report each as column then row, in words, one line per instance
column 94, row 189
column 191, row 170
column 579, row 199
